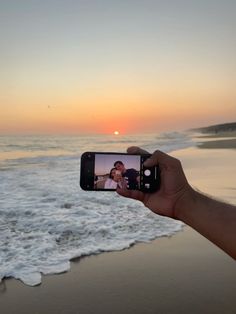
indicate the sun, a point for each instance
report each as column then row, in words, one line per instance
column 116, row 132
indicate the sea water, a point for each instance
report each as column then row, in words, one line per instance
column 46, row 219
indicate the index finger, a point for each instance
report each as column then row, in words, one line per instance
column 136, row 150
column 159, row 157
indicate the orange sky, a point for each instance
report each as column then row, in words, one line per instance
column 79, row 69
column 120, row 107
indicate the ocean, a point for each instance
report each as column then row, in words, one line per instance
column 46, row 219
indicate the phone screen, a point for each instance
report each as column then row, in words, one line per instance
column 109, row 171
column 117, row 170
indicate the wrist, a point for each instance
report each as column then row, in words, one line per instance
column 184, row 203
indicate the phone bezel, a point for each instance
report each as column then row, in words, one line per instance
column 87, row 167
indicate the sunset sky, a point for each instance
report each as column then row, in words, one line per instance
column 97, row 66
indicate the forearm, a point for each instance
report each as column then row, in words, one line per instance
column 213, row 219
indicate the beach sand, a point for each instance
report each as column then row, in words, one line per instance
column 184, row 273
column 220, row 140
column 218, row 144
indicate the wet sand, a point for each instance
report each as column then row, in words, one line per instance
column 219, row 144
column 181, row 274
column 226, row 140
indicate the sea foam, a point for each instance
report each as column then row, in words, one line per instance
column 46, row 219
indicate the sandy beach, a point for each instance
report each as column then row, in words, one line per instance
column 184, row 273
column 218, row 144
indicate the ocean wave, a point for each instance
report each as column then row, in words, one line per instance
column 46, row 219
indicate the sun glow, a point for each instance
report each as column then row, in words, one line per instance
column 116, row 133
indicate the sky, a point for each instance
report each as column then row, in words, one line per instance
column 96, row 66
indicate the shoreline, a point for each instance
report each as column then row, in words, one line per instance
column 220, row 140
column 219, row 144
column 184, row 273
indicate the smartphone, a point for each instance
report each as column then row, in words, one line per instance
column 106, row 171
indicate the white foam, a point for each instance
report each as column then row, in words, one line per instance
column 46, row 219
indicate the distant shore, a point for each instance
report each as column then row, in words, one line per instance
column 226, row 143
column 218, row 128
column 221, row 136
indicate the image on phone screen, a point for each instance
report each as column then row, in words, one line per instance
column 112, row 171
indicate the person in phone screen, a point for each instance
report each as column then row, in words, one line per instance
column 130, row 175
column 115, row 179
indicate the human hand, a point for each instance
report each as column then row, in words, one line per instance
column 174, row 189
